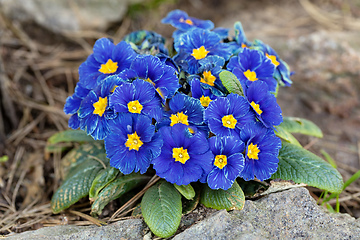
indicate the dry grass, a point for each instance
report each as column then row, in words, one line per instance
column 35, row 79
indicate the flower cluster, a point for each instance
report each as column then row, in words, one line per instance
column 174, row 113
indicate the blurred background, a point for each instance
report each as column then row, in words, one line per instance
column 42, row 44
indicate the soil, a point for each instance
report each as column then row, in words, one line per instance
column 38, row 70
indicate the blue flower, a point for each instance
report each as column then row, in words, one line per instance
column 136, row 97
column 107, row 59
column 152, row 70
column 252, row 65
column 282, row 70
column 185, row 110
column 180, row 20
column 198, row 44
column 95, row 113
column 184, row 157
column 202, row 92
column 132, row 143
column 240, row 39
column 227, row 116
column 262, row 148
column 228, row 161
column 264, row 104
column 73, row 103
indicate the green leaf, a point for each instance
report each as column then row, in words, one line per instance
column 231, row 83
column 103, row 178
column 116, row 189
column 4, row 158
column 161, row 208
column 76, row 156
column 302, row 166
column 70, row 136
column 189, row 205
column 76, row 185
column 300, row 125
column 284, row 134
column 186, row 190
column 230, row 199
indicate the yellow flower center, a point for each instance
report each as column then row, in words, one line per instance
column 179, row 118
column 253, row 151
column 133, row 142
column 134, row 106
column 180, row 155
column 256, row 107
column 188, row 21
column 191, row 130
column 199, row 53
column 100, row 106
column 108, row 67
column 220, row 161
column 205, row 101
column 149, row 81
column 243, row 45
column 250, row 75
column 273, row 59
column 229, row 121
column 208, row 78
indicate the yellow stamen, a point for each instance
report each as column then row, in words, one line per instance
column 191, row 130
column 134, row 107
column 113, row 90
column 179, row 118
column 187, row 21
column 250, row 75
column 256, row 107
column 200, row 53
column 180, row 155
column 273, row 59
column 205, row 101
column 133, row 142
column 160, row 93
column 208, row 78
column 220, row 161
column 149, row 81
column 100, row 106
column 243, row 45
column 109, row 67
column 229, row 121
column 253, row 151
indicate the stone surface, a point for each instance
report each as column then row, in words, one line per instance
column 291, row 214
column 126, row 229
column 60, row 16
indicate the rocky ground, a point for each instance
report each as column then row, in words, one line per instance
column 38, row 70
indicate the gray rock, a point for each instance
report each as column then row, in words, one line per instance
column 60, row 16
column 126, row 229
column 291, row 214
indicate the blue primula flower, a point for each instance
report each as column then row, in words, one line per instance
column 185, row 110
column 240, row 39
column 132, row 143
column 180, row 20
column 282, row 71
column 228, row 161
column 136, row 97
column 262, row 148
column 73, row 103
column 227, row 116
column 198, row 44
column 202, row 92
column 252, row 65
column 107, row 59
column 95, row 113
column 152, row 70
column 264, row 104
column 184, row 157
